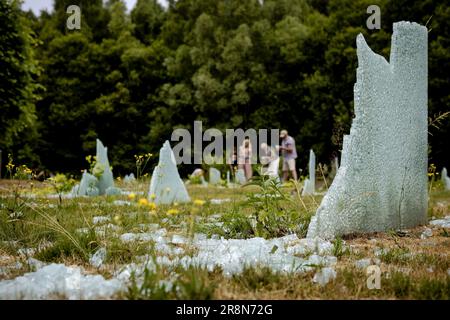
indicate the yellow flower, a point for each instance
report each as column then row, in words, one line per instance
column 143, row 202
column 152, row 206
column 117, row 219
column 10, row 165
column 132, row 196
column 172, row 211
column 199, row 202
column 153, row 196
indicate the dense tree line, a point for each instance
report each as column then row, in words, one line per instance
column 132, row 78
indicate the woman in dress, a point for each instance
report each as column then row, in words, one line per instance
column 245, row 156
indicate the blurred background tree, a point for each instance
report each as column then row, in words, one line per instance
column 19, row 89
column 132, row 77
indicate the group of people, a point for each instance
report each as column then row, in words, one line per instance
column 269, row 158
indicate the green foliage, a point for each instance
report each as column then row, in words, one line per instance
column 195, row 179
column 256, row 278
column 18, row 87
column 194, row 284
column 190, row 284
column 426, row 289
column 64, row 248
column 141, row 163
column 148, row 18
column 12, row 215
column 150, row 288
column 236, row 225
column 401, row 284
column 339, row 248
column 131, row 78
column 269, row 213
column 395, row 255
column 61, row 183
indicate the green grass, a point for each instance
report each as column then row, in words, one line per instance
column 404, row 286
column 262, row 209
column 189, row 284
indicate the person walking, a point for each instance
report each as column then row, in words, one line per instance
column 233, row 161
column 245, row 157
column 289, row 154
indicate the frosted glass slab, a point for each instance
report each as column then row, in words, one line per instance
column 88, row 182
column 214, row 176
column 129, row 178
column 166, row 184
column 92, row 191
column 445, row 179
column 106, row 180
column 74, row 191
column 334, row 168
column 382, row 181
column 309, row 187
column 240, row 176
column 113, row 191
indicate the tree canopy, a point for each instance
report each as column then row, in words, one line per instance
column 131, row 78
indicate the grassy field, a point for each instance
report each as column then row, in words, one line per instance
column 35, row 221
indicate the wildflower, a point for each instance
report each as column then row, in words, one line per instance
column 117, row 219
column 199, row 202
column 172, row 212
column 152, row 206
column 143, row 202
column 153, row 196
column 26, row 170
column 131, row 196
column 10, row 164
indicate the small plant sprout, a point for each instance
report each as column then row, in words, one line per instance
column 141, row 163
